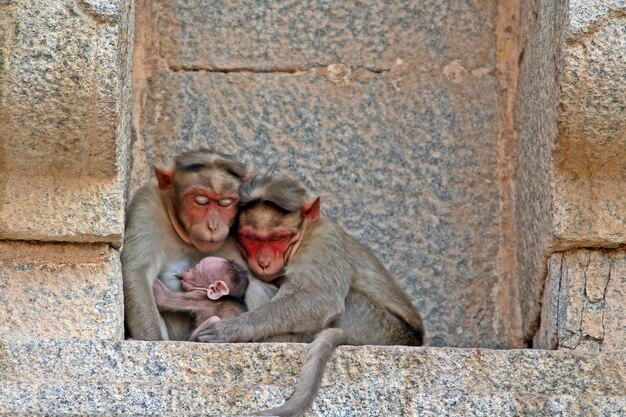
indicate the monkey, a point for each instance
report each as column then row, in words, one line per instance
column 173, row 223
column 332, row 288
column 212, row 279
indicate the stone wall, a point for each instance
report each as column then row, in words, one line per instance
column 402, row 116
column 65, row 72
column 466, row 142
column 583, row 306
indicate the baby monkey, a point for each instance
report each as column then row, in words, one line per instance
column 212, row 290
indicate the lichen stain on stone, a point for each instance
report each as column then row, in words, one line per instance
column 455, row 71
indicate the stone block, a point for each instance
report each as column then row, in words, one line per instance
column 590, row 153
column 61, row 290
column 167, row 379
column 542, row 26
column 281, row 35
column 64, row 118
column 584, row 299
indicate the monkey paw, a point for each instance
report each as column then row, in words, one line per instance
column 218, row 332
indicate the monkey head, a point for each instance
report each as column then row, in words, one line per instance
column 273, row 216
column 202, row 192
column 217, row 277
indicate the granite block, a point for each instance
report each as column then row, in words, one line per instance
column 584, row 302
column 139, row 378
column 60, row 290
column 590, row 152
column 64, row 116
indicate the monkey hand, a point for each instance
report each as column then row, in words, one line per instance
column 222, row 331
column 160, row 292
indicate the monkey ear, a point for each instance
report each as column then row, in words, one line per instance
column 248, row 176
column 217, row 290
column 164, row 177
column 311, row 210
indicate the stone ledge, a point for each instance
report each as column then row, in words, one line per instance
column 169, row 378
column 62, row 209
column 66, row 290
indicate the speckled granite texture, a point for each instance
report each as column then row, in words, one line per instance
column 64, row 118
column 137, row 378
column 590, row 157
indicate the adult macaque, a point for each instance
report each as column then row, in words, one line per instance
column 331, row 285
column 170, row 226
column 212, row 290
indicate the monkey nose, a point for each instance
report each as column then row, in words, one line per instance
column 264, row 263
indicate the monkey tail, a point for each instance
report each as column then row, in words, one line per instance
column 311, row 377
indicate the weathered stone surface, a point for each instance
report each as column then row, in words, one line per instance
column 288, row 35
column 541, row 32
column 389, row 111
column 64, row 118
column 590, row 156
column 80, row 378
column 60, row 291
column 584, row 302
column 382, row 151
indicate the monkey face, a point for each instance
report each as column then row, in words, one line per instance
column 207, row 217
column 265, row 236
column 266, row 254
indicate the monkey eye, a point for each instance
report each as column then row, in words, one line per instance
column 225, row 202
column 202, row 200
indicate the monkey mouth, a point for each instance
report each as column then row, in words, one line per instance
column 269, row 276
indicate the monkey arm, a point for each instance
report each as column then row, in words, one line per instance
column 142, row 261
column 142, row 316
column 293, row 310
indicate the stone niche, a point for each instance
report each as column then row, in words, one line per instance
column 407, row 119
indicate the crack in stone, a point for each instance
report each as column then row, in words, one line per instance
column 558, row 302
column 606, row 287
column 273, row 70
column 100, row 12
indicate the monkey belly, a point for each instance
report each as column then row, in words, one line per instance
column 372, row 324
column 179, row 325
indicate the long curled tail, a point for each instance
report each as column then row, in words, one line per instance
column 311, row 378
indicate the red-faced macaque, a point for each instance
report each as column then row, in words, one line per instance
column 171, row 225
column 212, row 290
column 332, row 288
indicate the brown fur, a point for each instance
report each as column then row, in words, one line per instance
column 196, row 302
column 153, row 247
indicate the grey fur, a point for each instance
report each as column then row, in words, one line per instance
column 282, row 190
column 332, row 281
column 207, row 159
